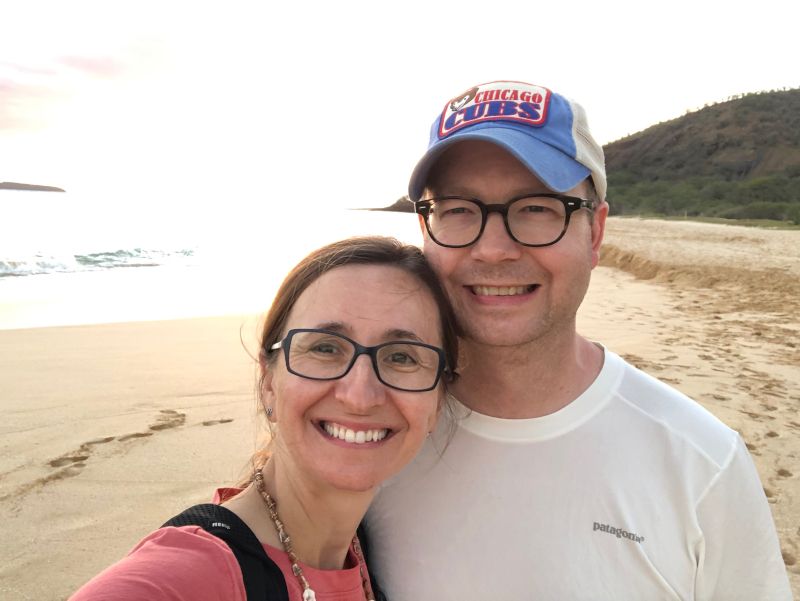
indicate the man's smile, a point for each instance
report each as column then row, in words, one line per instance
column 502, row 290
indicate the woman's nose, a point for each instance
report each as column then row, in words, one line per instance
column 359, row 389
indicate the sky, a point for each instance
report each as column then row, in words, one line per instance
column 197, row 111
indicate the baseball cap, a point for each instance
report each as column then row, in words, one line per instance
column 545, row 131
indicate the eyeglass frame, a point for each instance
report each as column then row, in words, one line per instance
column 286, row 342
column 571, row 205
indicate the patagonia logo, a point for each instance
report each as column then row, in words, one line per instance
column 497, row 101
column 618, row 532
column 220, row 525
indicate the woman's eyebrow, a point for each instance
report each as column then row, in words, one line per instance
column 399, row 334
column 334, row 326
column 337, row 327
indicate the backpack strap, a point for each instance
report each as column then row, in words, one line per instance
column 263, row 580
column 363, row 540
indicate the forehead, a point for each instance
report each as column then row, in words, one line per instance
column 487, row 171
column 475, row 163
column 368, row 302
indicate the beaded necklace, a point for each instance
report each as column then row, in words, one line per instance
column 286, row 541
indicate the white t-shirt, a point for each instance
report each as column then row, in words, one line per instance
column 632, row 491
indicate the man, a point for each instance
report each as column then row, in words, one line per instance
column 565, row 473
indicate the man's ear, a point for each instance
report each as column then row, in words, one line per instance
column 598, row 230
column 422, row 228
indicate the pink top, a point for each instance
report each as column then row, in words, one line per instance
column 189, row 564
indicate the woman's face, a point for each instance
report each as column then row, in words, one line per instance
column 370, row 304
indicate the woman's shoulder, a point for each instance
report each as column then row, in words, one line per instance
column 171, row 564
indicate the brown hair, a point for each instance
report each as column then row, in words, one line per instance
column 364, row 250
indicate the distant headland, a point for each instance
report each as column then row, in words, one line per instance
column 28, row 187
column 401, row 205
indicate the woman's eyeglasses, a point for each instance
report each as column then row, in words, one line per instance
column 319, row 354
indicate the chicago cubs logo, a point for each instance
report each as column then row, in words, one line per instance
column 457, row 103
column 510, row 101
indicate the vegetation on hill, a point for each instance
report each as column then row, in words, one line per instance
column 736, row 159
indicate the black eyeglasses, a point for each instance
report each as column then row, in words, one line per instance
column 531, row 220
column 319, row 354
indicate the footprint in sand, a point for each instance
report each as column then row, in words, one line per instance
column 72, row 463
column 214, row 422
column 99, row 441
column 82, row 453
column 758, row 417
column 784, row 473
column 168, row 418
column 134, row 435
column 67, row 460
column 772, row 434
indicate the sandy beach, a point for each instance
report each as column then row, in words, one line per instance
column 111, row 429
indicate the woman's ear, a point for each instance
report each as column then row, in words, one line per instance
column 268, row 393
column 434, row 416
column 432, row 421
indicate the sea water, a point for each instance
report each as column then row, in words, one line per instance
column 66, row 259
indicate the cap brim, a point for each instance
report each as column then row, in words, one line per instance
column 558, row 171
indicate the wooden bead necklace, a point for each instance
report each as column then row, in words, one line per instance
column 286, row 541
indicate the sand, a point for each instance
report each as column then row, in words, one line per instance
column 111, row 429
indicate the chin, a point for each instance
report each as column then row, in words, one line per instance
column 356, row 483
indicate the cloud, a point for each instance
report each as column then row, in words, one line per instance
column 99, row 66
column 24, row 105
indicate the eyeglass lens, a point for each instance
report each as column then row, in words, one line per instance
column 531, row 220
column 326, row 356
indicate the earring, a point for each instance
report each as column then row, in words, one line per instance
column 269, row 411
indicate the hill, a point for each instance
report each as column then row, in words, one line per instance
column 736, row 159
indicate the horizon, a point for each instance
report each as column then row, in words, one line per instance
column 49, row 187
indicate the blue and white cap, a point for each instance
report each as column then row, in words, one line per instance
column 545, row 131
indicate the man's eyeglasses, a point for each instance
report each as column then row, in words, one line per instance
column 319, row 354
column 531, row 220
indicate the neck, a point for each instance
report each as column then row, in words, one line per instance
column 320, row 521
column 530, row 380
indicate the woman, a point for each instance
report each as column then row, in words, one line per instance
column 341, row 422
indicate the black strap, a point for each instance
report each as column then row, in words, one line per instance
column 263, row 580
column 363, row 539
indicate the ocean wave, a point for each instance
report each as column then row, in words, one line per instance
column 137, row 257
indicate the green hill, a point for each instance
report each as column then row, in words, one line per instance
column 734, row 159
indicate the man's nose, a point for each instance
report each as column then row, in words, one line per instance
column 495, row 244
column 360, row 390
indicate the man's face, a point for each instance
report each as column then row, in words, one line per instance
column 504, row 293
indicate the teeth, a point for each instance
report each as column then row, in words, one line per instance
column 353, row 436
column 499, row 290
